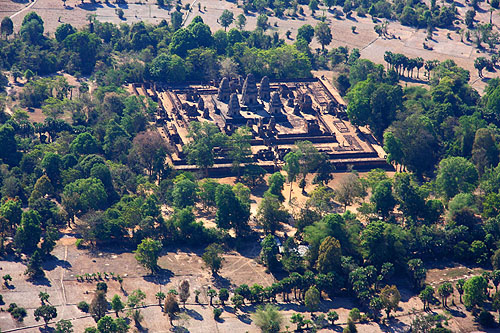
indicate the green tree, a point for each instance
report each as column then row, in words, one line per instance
column 241, row 21
column 231, row 212
column 223, row 295
column 383, row 199
column 117, row 304
column 298, row 319
column 87, row 194
column 323, row 34
column 204, row 138
column 484, row 150
column 445, row 290
column 263, row 22
column 32, row 29
column 292, row 167
column 135, row 301
column 312, row 299
column 426, row 296
column 271, row 213
column 64, row 326
column 475, row 291
column 268, row 318
column 329, row 255
column 34, row 267
column 226, row 18
column 87, row 46
column 390, row 298
column 456, row 174
column 29, row 231
column 184, row 193
column 6, row 27
column 460, row 287
column 46, row 312
column 333, row 316
column 212, row 258
column 147, row 253
column 276, row 183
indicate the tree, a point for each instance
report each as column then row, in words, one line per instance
column 34, row 268
column 240, row 148
column 147, row 253
column 29, row 231
column 87, row 46
column 99, row 305
column 64, row 326
column 323, row 34
column 475, row 291
column 231, row 212
column 298, row 319
column 241, row 21
column 32, row 29
column 117, row 305
column 86, row 194
column 212, row 258
column 46, row 312
column 226, row 18
column 135, row 301
column 275, row 183
column 455, row 175
column 160, row 296
column 268, row 318
column 263, row 22
column 333, row 316
column 271, row 213
column 484, row 150
column 445, row 290
column 460, row 287
column 390, row 298
column 383, row 199
column 329, row 255
column 306, row 32
column 6, row 27
column 184, row 292
column 109, row 325
column 480, row 63
column 63, row 31
column 44, row 297
column 312, row 299
column 171, row 306
column 223, row 295
column 417, row 272
column 292, row 167
column 211, row 293
column 204, row 138
column 426, row 296
column 149, row 150
column 351, row 326
column 349, row 189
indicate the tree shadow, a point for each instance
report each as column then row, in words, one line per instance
column 47, row 329
column 123, row 5
column 221, row 282
column 456, row 313
column 244, row 318
column 193, row 314
column 88, row 6
column 9, row 286
column 162, row 276
column 54, row 262
column 43, row 281
column 352, row 18
column 393, row 325
column 179, row 329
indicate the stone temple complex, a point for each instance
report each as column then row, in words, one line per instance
column 277, row 113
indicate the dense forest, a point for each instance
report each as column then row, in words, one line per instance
column 97, row 165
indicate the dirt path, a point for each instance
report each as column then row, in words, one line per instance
column 24, row 9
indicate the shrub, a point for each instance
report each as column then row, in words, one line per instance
column 83, row 306
column 217, row 313
column 486, row 319
column 79, row 243
column 102, row 286
column 16, row 312
column 1, row 300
